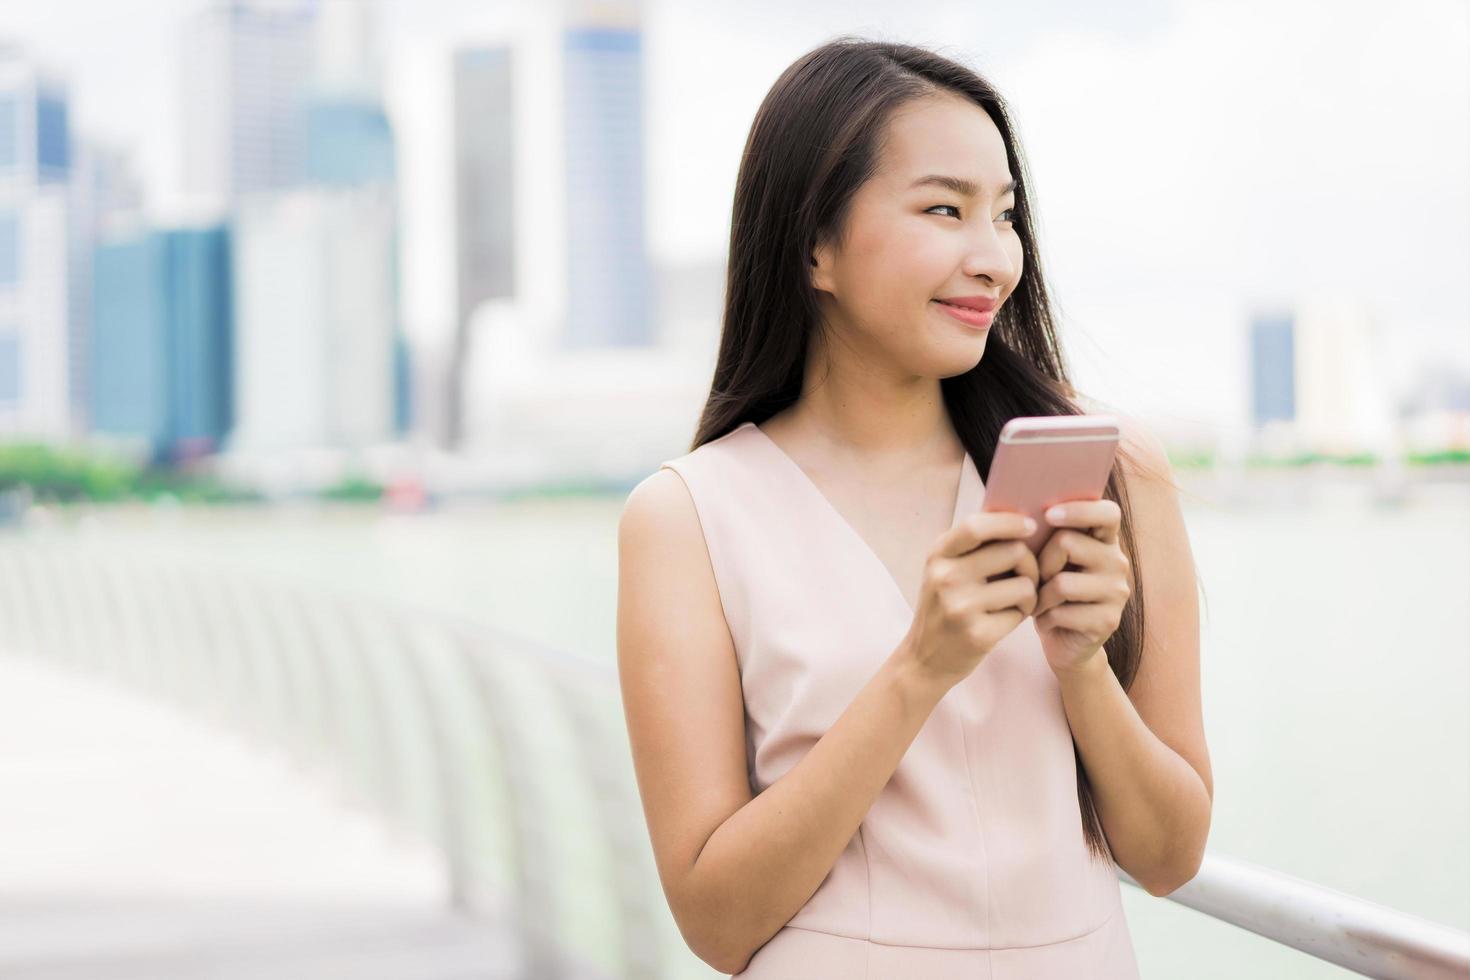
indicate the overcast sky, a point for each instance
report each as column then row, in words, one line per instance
column 1191, row 159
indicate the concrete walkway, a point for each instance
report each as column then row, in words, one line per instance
column 139, row 844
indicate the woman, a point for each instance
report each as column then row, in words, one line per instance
column 874, row 735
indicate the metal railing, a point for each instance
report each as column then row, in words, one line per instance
column 1361, row 936
column 505, row 756
column 509, row 757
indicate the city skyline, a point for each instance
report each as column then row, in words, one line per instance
column 1150, row 282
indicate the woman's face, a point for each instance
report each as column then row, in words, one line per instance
column 911, row 243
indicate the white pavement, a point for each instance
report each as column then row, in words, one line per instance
column 139, row 844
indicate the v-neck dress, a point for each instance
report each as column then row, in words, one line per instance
column 971, row 862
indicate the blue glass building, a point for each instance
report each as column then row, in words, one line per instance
column 161, row 340
column 348, row 141
column 1273, row 368
column 608, row 278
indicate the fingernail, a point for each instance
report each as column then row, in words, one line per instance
column 1054, row 514
column 1030, row 525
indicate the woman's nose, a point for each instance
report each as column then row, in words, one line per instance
column 989, row 256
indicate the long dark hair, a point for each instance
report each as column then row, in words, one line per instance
column 814, row 141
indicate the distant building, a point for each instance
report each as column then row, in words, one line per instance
column 246, row 65
column 1438, row 385
column 550, row 185
column 349, row 139
column 320, row 360
column 483, row 178
column 485, row 191
column 316, row 320
column 105, row 199
column 609, row 283
column 1273, row 368
column 350, row 143
column 42, row 344
column 1316, row 385
column 1342, row 400
column 162, row 339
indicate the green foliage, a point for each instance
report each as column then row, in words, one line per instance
column 1201, row 459
column 1439, row 456
column 65, row 475
column 1310, row 458
column 355, row 489
column 566, row 489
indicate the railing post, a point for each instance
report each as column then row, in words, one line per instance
column 535, row 905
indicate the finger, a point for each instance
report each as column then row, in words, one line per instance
column 1090, row 620
column 1099, row 518
column 1072, row 546
column 978, row 528
column 1009, row 593
column 1074, row 587
column 1028, row 566
column 995, row 557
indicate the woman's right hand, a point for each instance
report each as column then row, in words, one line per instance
column 964, row 609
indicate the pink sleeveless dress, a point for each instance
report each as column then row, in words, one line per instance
column 971, row 863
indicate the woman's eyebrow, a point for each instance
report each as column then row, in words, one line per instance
column 959, row 185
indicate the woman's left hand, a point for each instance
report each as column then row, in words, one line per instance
column 1085, row 583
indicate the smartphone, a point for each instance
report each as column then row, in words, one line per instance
column 1050, row 459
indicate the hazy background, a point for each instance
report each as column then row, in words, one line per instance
column 306, row 430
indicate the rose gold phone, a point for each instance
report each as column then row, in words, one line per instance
column 1045, row 460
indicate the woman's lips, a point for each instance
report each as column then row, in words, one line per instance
column 973, row 318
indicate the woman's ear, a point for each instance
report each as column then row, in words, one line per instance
column 821, row 273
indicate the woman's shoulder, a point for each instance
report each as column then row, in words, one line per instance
column 711, row 492
column 716, row 452
column 714, row 462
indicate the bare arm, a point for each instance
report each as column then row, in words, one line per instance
column 1144, row 750
column 735, row 868
column 768, row 858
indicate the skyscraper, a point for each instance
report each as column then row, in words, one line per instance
column 608, row 279
column 104, row 197
column 315, row 317
column 246, row 64
column 1342, row 404
column 348, row 137
column 1273, row 368
column 42, row 353
column 484, row 185
column 318, row 351
column 1315, row 383
column 350, row 143
column 161, row 337
column 581, row 317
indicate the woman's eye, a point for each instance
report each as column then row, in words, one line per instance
column 1003, row 214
